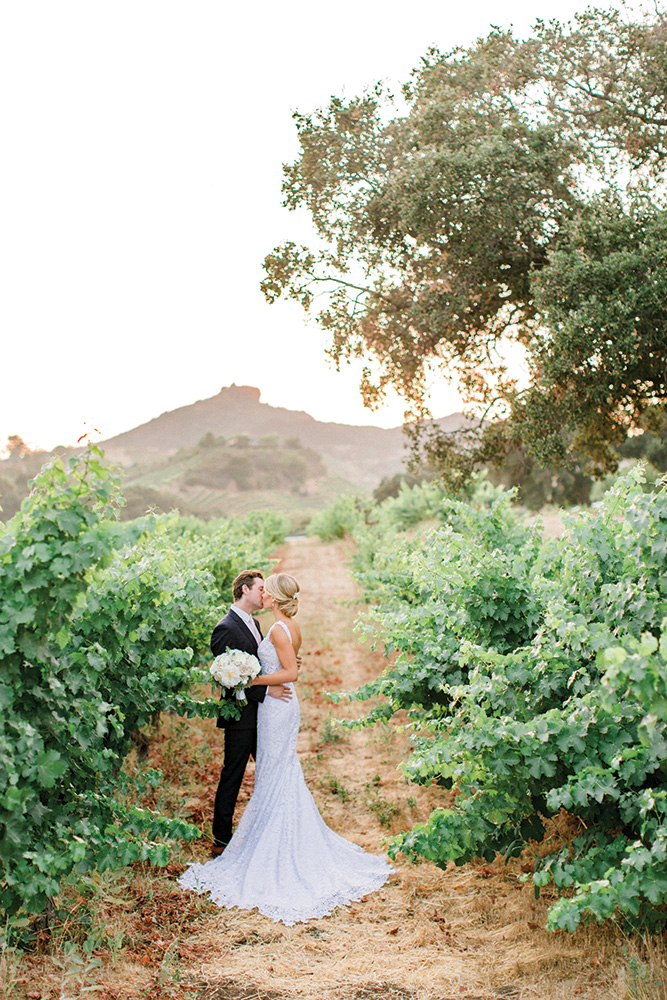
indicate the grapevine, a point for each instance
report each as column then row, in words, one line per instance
column 103, row 625
column 535, row 677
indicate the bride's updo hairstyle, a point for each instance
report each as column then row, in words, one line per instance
column 284, row 589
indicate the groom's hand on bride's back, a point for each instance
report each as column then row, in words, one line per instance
column 280, row 691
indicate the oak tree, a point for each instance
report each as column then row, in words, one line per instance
column 514, row 198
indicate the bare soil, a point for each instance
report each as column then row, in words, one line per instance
column 475, row 932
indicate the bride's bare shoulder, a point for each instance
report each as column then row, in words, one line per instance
column 280, row 636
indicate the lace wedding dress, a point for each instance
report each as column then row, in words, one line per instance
column 283, row 858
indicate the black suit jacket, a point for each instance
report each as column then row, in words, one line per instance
column 231, row 632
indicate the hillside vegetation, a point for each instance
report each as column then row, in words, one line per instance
column 223, row 477
column 231, row 454
column 217, row 478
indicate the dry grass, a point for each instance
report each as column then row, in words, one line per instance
column 473, row 932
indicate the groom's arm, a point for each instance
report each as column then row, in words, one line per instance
column 256, row 692
column 222, row 639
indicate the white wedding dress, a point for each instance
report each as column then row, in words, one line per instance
column 283, row 859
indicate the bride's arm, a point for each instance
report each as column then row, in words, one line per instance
column 287, row 658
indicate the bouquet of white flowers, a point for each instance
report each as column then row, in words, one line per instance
column 234, row 669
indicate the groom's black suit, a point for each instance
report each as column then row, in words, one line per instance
column 241, row 734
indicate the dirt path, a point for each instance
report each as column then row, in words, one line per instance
column 393, row 944
column 473, row 932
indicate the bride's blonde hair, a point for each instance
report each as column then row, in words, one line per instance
column 284, row 589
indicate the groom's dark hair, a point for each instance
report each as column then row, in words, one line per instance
column 246, row 578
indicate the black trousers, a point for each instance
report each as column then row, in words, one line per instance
column 240, row 745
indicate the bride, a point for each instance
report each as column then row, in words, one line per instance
column 283, row 858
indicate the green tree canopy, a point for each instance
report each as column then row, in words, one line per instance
column 516, row 198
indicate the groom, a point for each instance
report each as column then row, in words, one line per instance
column 239, row 630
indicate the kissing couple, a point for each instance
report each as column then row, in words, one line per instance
column 282, row 859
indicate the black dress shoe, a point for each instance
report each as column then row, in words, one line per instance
column 217, row 847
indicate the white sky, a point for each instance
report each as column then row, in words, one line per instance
column 140, row 176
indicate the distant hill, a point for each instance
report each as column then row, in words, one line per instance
column 230, row 477
column 232, row 454
column 361, row 455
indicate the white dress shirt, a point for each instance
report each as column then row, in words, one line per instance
column 247, row 620
column 252, row 625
